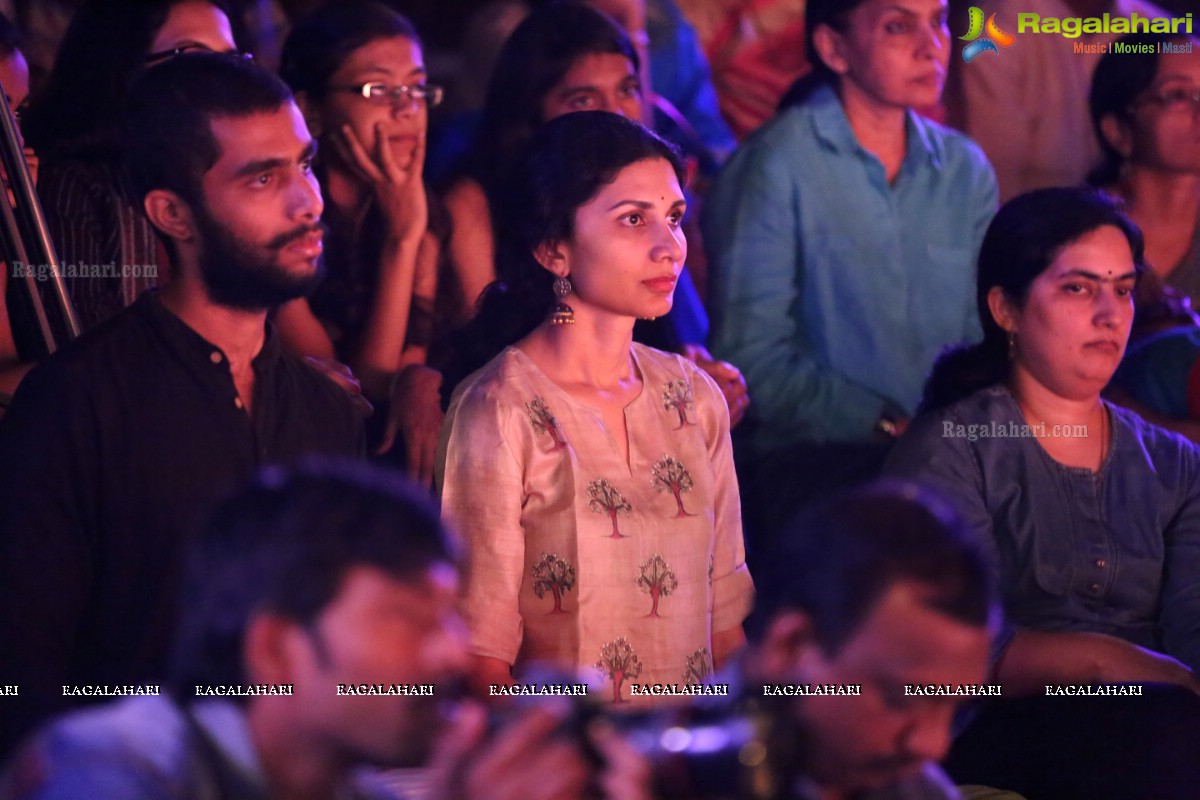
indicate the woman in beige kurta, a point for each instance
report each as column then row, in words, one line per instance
column 590, row 547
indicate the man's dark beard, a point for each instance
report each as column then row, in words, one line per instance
column 237, row 277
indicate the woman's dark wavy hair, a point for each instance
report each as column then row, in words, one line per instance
column 534, row 59
column 322, row 40
column 1118, row 82
column 835, row 14
column 565, row 164
column 79, row 113
column 1026, row 235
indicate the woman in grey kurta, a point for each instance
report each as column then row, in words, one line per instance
column 1094, row 513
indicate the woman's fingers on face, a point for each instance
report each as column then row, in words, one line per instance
column 358, row 154
column 388, row 160
column 418, row 164
column 382, row 152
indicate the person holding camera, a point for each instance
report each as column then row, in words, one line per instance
column 319, row 636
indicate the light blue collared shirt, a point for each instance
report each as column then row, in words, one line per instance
column 834, row 291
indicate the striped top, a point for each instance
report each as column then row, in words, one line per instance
column 108, row 250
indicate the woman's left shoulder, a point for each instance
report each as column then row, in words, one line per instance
column 1160, row 446
column 660, row 368
column 681, row 388
column 959, row 154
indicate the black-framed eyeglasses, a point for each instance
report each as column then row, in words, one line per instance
column 163, row 55
column 380, row 94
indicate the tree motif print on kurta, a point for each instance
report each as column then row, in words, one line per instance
column 619, row 663
column 553, row 574
column 699, row 667
column 607, row 499
column 544, row 421
column 669, row 475
column 677, row 397
column 657, row 579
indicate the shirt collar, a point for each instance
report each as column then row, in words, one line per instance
column 832, row 127
column 149, row 304
column 226, row 726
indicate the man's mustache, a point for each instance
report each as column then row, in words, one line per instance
column 295, row 234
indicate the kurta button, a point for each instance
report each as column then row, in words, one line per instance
column 1100, row 562
column 215, row 357
column 1095, row 587
column 237, row 401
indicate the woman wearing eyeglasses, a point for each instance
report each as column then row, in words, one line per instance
column 107, row 246
column 359, row 74
column 1146, row 110
column 1145, row 107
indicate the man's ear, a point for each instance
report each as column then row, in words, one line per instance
column 1002, row 309
column 269, row 649
column 170, row 213
column 788, row 640
column 830, row 46
column 553, row 256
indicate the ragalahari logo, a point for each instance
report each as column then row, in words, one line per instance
column 995, row 39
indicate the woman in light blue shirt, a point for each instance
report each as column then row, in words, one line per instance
column 842, row 238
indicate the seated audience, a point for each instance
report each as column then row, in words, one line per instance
column 359, row 75
column 564, row 57
column 112, row 444
column 1027, row 105
column 74, row 123
column 592, row 477
column 1093, row 515
column 886, row 589
column 841, row 238
column 307, row 582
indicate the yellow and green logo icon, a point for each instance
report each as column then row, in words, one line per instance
column 978, row 43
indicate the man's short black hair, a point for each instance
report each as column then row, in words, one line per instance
column 168, row 141
column 835, row 561
column 284, row 545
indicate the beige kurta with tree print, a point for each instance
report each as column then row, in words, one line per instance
column 578, row 558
